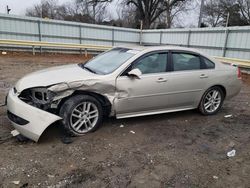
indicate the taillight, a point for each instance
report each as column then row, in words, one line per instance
column 239, row 73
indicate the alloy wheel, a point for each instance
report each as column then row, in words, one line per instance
column 212, row 101
column 84, row 117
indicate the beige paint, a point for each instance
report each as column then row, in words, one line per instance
column 129, row 96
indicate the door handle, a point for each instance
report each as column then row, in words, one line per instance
column 203, row 76
column 161, row 80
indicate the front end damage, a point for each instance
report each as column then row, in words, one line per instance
column 27, row 119
column 34, row 109
column 44, row 98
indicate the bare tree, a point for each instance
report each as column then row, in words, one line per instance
column 72, row 12
column 174, row 9
column 47, row 9
column 213, row 13
column 244, row 6
column 95, row 8
column 151, row 10
column 88, row 11
column 217, row 11
column 127, row 15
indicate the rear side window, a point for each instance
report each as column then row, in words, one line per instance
column 209, row 64
column 185, row 61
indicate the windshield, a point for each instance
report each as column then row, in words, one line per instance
column 109, row 61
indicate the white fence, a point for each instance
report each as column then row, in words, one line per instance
column 36, row 29
column 233, row 42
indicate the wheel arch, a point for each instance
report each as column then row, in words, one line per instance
column 222, row 88
column 106, row 104
column 217, row 85
column 201, row 108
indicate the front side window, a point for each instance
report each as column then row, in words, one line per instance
column 108, row 62
column 185, row 61
column 153, row 63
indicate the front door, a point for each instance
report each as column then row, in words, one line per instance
column 147, row 93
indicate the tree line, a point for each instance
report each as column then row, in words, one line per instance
column 152, row 13
column 216, row 13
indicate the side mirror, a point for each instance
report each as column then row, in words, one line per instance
column 135, row 73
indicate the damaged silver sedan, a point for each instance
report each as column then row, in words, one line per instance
column 122, row 82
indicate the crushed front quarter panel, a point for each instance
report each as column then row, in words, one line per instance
column 103, row 87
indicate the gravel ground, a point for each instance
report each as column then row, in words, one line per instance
column 183, row 149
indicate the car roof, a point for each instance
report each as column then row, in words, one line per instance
column 148, row 49
column 155, row 48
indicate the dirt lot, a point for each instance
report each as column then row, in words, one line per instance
column 181, row 149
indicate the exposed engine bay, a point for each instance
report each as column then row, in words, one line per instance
column 41, row 98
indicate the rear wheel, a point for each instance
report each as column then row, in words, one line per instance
column 211, row 101
column 81, row 114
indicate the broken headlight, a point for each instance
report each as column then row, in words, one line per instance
column 38, row 97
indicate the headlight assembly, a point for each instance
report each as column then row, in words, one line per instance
column 39, row 97
column 42, row 95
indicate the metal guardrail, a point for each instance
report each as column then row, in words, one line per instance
column 34, row 44
column 85, row 47
column 239, row 62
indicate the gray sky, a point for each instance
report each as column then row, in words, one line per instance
column 18, row 7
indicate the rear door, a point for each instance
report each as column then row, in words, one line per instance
column 187, row 79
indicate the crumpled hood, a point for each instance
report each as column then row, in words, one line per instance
column 54, row 75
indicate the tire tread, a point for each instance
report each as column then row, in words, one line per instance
column 69, row 105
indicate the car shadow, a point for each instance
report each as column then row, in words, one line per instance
column 55, row 133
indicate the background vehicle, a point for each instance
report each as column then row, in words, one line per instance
column 123, row 82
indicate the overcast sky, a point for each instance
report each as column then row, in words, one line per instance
column 18, row 7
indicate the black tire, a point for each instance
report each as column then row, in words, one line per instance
column 21, row 138
column 202, row 108
column 70, row 105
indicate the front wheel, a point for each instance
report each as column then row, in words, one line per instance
column 211, row 101
column 81, row 114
